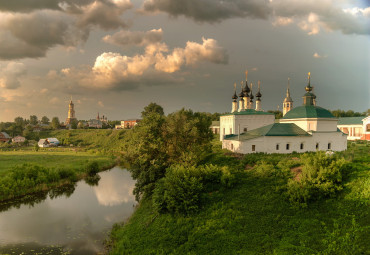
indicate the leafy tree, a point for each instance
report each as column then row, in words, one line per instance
column 188, row 136
column 19, row 121
column 143, row 150
column 45, row 120
column 55, row 124
column 33, row 120
column 150, row 108
column 74, row 124
column 278, row 114
column 158, row 141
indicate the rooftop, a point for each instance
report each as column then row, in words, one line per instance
column 350, row 120
column 308, row 111
column 248, row 112
column 277, row 129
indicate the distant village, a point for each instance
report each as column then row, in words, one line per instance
column 246, row 129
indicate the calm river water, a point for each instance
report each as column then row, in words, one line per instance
column 75, row 220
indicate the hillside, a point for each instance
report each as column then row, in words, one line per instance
column 255, row 216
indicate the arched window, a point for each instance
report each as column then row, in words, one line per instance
column 232, row 147
column 329, row 146
column 287, row 146
column 302, row 146
column 317, row 146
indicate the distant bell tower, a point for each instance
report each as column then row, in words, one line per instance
column 235, row 102
column 288, row 102
column 71, row 113
column 258, row 96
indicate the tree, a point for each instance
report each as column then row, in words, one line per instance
column 80, row 125
column 55, row 124
column 278, row 114
column 33, row 120
column 74, row 124
column 143, row 150
column 45, row 120
column 158, row 141
column 19, row 122
column 150, row 108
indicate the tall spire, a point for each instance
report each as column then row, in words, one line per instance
column 241, row 101
column 251, row 97
column 308, row 87
column 259, row 95
column 288, row 102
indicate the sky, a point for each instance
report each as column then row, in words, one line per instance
column 116, row 56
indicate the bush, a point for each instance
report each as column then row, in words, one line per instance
column 321, row 177
column 92, row 168
column 182, row 188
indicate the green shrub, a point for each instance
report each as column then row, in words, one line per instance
column 92, row 168
column 321, row 177
column 182, row 188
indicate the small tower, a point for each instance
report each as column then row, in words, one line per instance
column 235, row 103
column 246, row 92
column 258, row 100
column 241, row 100
column 71, row 113
column 251, row 97
column 288, row 102
column 309, row 98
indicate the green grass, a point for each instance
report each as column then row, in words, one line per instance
column 23, row 172
column 255, row 217
column 49, row 158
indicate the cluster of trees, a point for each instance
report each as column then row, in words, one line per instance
column 349, row 113
column 159, row 141
column 25, row 127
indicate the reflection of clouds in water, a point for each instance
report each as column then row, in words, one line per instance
column 113, row 191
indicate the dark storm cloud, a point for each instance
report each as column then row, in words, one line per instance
column 329, row 13
column 32, row 34
column 210, row 10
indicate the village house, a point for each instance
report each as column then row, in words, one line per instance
column 215, row 127
column 48, row 142
column 304, row 128
column 126, row 124
column 4, row 137
column 19, row 139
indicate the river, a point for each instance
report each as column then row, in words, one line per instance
column 72, row 220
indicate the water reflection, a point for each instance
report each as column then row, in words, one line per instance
column 75, row 222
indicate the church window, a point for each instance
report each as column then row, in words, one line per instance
column 253, row 147
column 329, row 146
column 317, row 146
column 245, row 129
column 277, row 147
column 232, row 147
column 287, row 146
column 302, row 146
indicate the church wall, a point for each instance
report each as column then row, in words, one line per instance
column 313, row 124
column 268, row 144
column 230, row 124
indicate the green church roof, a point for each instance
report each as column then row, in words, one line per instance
column 308, row 111
column 248, row 112
column 350, row 120
column 277, row 129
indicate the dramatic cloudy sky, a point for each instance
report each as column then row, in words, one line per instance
column 116, row 56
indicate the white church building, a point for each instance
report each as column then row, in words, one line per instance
column 304, row 128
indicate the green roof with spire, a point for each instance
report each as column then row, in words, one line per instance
column 308, row 111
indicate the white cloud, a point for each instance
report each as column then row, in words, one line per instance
column 138, row 38
column 155, row 66
column 11, row 74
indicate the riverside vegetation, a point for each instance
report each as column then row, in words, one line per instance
column 25, row 170
column 198, row 199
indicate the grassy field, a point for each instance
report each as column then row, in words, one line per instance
column 50, row 157
column 255, row 217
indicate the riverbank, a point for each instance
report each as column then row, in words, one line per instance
column 255, row 215
column 25, row 172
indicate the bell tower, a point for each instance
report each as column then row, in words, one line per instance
column 288, row 102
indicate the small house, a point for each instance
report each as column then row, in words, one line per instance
column 19, row 139
column 43, row 143
column 52, row 141
column 4, row 137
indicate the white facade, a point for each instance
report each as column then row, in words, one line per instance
column 335, row 141
column 314, row 124
column 237, row 124
column 357, row 131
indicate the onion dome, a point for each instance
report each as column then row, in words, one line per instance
column 241, row 94
column 246, row 89
column 308, row 87
column 235, row 96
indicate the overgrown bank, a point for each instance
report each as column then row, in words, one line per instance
column 278, row 204
column 25, row 172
